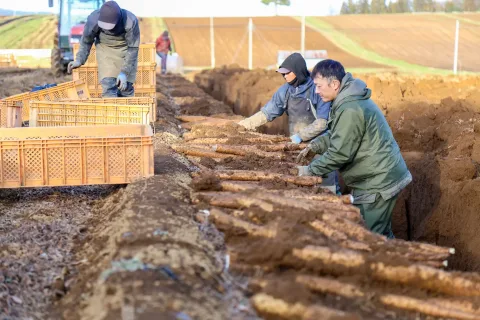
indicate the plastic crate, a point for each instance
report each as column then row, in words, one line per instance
column 72, row 156
column 144, row 101
column 72, row 90
column 89, row 75
column 146, row 77
column 9, row 114
column 57, row 114
column 146, row 54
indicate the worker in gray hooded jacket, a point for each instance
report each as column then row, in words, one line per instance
column 116, row 34
column 307, row 113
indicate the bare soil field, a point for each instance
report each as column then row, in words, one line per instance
column 192, row 41
column 434, row 120
column 150, row 28
column 424, row 39
column 227, row 230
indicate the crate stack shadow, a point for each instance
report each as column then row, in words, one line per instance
column 67, row 135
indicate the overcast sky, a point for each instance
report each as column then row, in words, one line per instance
column 199, row 8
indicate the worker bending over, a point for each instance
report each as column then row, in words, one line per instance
column 307, row 113
column 116, row 34
column 360, row 144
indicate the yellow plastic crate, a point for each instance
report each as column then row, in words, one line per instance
column 9, row 114
column 142, row 101
column 146, row 77
column 72, row 156
column 56, row 114
column 139, row 93
column 89, row 75
column 72, row 90
column 8, row 60
column 146, row 54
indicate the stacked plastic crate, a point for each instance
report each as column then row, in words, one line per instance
column 73, row 143
column 145, row 85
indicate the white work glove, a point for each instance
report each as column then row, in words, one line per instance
column 73, row 65
column 304, row 171
column 255, row 121
column 296, row 139
column 122, row 81
column 304, row 154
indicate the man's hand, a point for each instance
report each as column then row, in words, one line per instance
column 296, row 139
column 303, row 154
column 73, row 65
column 304, row 171
column 122, row 81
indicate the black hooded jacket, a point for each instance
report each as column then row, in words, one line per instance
column 296, row 63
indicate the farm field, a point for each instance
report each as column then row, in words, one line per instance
column 420, row 39
column 192, row 40
column 27, row 32
column 225, row 228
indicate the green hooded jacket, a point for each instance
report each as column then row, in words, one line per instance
column 360, row 144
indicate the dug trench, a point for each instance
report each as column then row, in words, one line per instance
column 435, row 122
column 117, row 252
column 149, row 250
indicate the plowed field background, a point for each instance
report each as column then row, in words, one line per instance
column 426, row 40
column 27, row 32
column 192, row 40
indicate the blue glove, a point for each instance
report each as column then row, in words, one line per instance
column 122, row 81
column 296, row 139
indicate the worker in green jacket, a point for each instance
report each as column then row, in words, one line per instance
column 359, row 144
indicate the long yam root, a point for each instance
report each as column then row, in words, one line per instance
column 326, row 285
column 224, row 219
column 244, row 175
column 427, row 308
column 267, row 304
column 196, row 152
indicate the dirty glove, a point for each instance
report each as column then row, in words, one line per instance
column 122, row 81
column 255, row 121
column 304, row 154
column 296, row 139
column 304, row 171
column 73, row 65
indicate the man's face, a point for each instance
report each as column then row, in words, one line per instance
column 328, row 92
column 289, row 76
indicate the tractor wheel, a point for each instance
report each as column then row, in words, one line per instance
column 56, row 60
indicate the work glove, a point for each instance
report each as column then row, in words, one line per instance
column 255, row 121
column 304, row 171
column 73, row 65
column 296, row 139
column 304, row 154
column 122, row 81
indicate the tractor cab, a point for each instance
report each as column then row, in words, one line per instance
column 71, row 22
